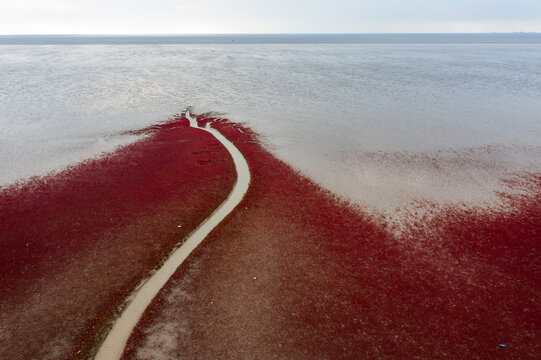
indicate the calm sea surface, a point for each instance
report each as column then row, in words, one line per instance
column 380, row 119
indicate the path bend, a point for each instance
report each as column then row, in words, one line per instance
column 115, row 341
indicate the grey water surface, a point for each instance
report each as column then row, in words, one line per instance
column 380, row 119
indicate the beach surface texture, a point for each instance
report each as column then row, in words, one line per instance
column 114, row 343
column 297, row 273
column 76, row 243
column 288, row 271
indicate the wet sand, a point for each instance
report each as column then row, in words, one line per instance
column 297, row 273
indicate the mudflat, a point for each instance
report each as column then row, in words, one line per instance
column 298, row 273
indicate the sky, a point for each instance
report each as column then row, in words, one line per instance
column 267, row 16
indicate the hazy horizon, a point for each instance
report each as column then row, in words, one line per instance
column 267, row 17
column 277, row 33
column 234, row 39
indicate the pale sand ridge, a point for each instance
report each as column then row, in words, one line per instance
column 115, row 341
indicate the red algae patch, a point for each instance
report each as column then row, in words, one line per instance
column 296, row 273
column 74, row 244
column 115, row 341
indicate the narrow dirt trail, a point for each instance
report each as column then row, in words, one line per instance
column 114, row 343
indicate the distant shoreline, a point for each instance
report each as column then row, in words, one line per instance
column 414, row 38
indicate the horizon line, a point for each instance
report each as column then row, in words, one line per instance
column 274, row 34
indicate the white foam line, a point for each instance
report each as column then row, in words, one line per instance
column 113, row 345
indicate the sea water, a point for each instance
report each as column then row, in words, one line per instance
column 382, row 120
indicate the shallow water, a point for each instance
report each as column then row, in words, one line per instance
column 383, row 124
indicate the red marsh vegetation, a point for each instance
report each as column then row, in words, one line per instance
column 74, row 244
column 296, row 273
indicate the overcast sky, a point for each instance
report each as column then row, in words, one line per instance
column 266, row 16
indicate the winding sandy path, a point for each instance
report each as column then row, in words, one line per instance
column 114, row 343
